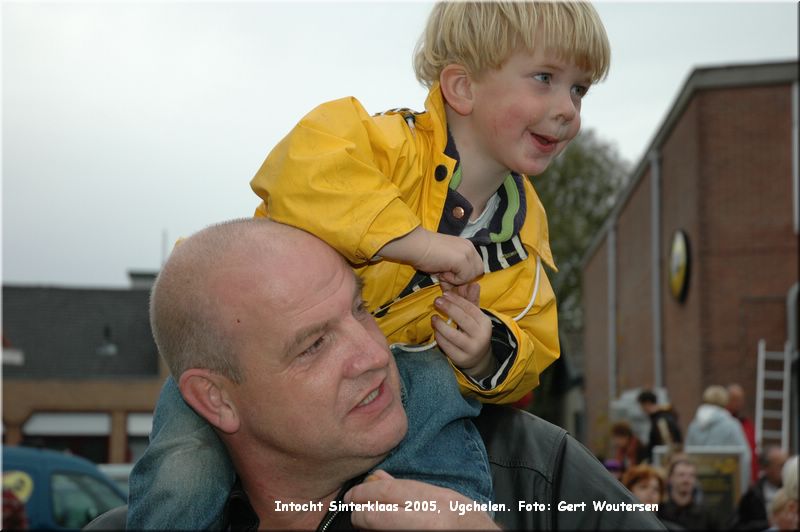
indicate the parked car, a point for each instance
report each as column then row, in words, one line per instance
column 119, row 473
column 60, row 491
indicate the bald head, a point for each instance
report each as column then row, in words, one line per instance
column 772, row 460
column 204, row 277
column 735, row 398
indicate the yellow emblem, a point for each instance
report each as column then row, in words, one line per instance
column 20, row 483
column 679, row 266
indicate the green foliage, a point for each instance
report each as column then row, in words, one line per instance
column 578, row 191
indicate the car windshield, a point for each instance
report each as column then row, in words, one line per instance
column 78, row 498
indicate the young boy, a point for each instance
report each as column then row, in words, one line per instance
column 399, row 194
column 422, row 204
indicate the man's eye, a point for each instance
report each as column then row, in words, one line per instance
column 316, row 346
column 543, row 77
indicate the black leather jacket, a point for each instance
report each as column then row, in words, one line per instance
column 534, row 461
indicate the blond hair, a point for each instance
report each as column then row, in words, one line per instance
column 483, row 35
column 716, row 395
column 779, row 502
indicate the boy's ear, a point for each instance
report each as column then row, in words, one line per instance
column 456, row 86
column 207, row 393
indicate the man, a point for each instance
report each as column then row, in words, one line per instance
column 263, row 327
column 736, row 407
column 681, row 507
column 752, row 511
column 664, row 428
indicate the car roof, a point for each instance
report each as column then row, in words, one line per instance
column 45, row 459
column 39, row 467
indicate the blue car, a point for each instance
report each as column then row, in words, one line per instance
column 60, row 491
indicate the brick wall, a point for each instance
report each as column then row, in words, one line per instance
column 681, row 192
column 750, row 257
column 725, row 180
column 595, row 346
column 634, row 298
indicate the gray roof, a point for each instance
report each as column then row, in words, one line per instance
column 67, row 332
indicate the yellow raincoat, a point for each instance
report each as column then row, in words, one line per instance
column 359, row 181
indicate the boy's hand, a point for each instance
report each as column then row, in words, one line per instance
column 468, row 343
column 453, row 259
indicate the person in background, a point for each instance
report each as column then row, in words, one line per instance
column 789, row 475
column 736, row 403
column 714, row 425
column 14, row 515
column 628, row 450
column 645, row 482
column 782, row 512
column 681, row 507
column 752, row 509
column 664, row 428
column 614, row 467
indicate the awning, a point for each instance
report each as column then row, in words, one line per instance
column 68, row 424
column 140, row 424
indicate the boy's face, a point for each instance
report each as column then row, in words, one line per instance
column 526, row 112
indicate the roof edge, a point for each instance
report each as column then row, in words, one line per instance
column 701, row 78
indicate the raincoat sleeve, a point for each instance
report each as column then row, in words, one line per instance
column 526, row 347
column 332, row 176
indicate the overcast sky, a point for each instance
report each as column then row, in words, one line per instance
column 122, row 123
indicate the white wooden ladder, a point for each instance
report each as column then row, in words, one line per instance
column 773, row 388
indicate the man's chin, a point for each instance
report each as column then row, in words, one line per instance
column 391, row 435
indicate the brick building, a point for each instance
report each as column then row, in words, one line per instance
column 80, row 369
column 720, row 177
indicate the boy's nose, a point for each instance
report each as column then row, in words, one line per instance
column 565, row 106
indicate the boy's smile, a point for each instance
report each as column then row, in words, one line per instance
column 526, row 112
column 546, row 144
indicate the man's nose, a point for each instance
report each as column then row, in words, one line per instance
column 366, row 352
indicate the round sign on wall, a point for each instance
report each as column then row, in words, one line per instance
column 679, row 265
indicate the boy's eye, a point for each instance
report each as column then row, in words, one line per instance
column 580, row 90
column 543, row 77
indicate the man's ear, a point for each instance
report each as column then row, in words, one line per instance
column 457, row 90
column 207, row 393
